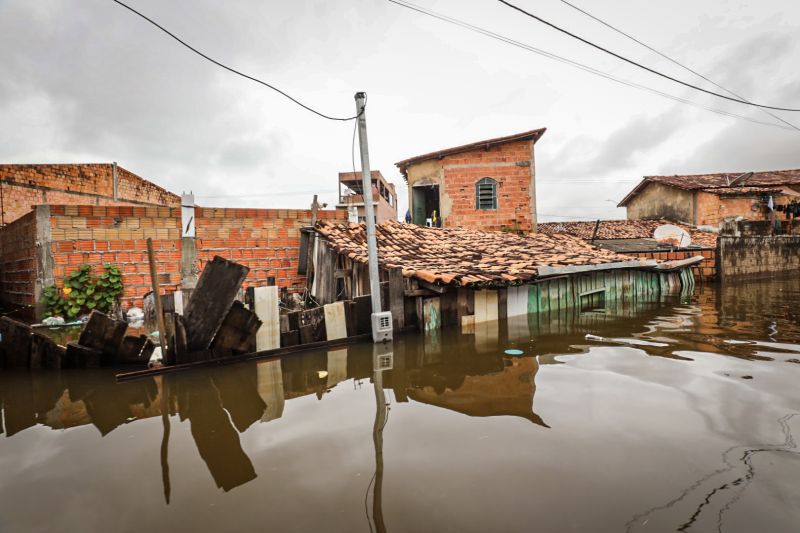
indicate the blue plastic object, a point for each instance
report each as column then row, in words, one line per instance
column 512, row 351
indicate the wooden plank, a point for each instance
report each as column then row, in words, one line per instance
column 238, row 331
column 16, row 343
column 104, row 334
column 517, row 301
column 467, row 324
column 502, row 303
column 448, row 305
column 533, row 299
column 79, row 356
column 397, row 285
column 177, row 351
column 290, row 338
column 364, row 314
column 306, row 334
column 335, row 323
column 211, row 300
column 266, row 355
column 130, row 351
column 315, row 318
column 420, row 314
column 351, row 318
column 545, row 271
column 431, row 310
column 45, row 353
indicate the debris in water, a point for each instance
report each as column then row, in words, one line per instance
column 747, row 377
column 322, row 374
column 512, row 351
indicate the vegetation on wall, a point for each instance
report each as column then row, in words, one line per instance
column 83, row 292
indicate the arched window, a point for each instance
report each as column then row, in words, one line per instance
column 486, row 194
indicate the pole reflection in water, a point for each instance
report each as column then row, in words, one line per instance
column 165, row 438
column 382, row 361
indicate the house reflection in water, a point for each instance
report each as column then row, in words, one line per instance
column 221, row 404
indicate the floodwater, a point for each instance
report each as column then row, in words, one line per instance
column 683, row 416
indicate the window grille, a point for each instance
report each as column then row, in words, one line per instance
column 486, row 194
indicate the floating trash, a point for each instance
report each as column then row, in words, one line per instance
column 512, row 351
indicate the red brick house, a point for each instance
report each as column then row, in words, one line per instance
column 487, row 185
column 707, row 199
column 23, row 186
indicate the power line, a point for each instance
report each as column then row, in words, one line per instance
column 230, row 69
column 670, row 59
column 632, row 62
column 581, row 66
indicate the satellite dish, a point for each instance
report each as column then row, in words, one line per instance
column 672, row 235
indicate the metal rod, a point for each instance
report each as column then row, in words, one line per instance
column 157, row 297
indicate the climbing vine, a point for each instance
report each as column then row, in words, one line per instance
column 83, row 291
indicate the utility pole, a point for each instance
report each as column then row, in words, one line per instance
column 379, row 328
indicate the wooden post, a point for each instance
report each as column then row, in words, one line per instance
column 157, row 298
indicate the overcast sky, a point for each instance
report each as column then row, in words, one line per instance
column 88, row 81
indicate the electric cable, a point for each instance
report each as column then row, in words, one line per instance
column 576, row 64
column 668, row 58
column 230, row 69
column 634, row 63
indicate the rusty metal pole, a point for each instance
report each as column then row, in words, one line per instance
column 157, row 298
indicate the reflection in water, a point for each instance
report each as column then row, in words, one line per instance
column 743, row 456
column 463, row 373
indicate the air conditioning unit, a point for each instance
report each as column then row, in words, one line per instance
column 382, row 326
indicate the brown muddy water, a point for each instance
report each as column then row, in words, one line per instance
column 687, row 421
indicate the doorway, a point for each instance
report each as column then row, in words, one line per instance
column 424, row 201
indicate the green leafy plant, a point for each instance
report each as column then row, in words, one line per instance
column 83, row 291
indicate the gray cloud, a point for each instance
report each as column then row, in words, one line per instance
column 89, row 81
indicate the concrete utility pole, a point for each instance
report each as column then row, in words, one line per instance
column 369, row 212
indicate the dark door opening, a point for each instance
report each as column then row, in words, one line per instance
column 425, row 200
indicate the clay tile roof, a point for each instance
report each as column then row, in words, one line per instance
column 622, row 229
column 524, row 136
column 769, row 179
column 464, row 256
column 736, row 191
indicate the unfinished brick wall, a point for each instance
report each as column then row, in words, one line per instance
column 712, row 209
column 265, row 240
column 511, row 166
column 706, row 270
column 24, row 186
column 118, row 234
column 18, row 261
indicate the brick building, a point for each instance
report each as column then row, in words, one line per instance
column 384, row 196
column 487, row 185
column 707, row 199
column 23, row 186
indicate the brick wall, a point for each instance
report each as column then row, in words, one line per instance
column 18, row 261
column 265, row 240
column 24, row 186
column 509, row 164
column 706, row 270
column 762, row 256
column 118, row 234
